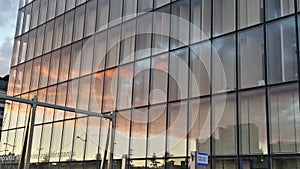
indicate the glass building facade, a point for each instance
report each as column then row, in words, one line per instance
column 106, row 55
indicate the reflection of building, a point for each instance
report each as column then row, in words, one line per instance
column 154, row 70
column 3, row 89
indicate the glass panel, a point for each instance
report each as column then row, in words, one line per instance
column 286, row 162
column 79, row 23
column 39, row 41
column 130, row 7
column 177, row 129
column 115, row 12
column 70, row 4
column 44, row 71
column 67, row 141
column 51, row 95
column 125, row 86
column 161, row 29
column 103, row 136
column 18, row 142
column 251, row 52
column 122, row 134
column 51, row 9
column 27, row 18
column 100, row 51
column 225, row 163
column 48, row 36
column 79, row 139
column 92, row 144
column 90, row 23
column 159, row 3
column 3, row 140
column 26, row 77
column 199, row 125
column 64, row 64
column 72, row 93
column 84, row 93
column 87, row 56
column 19, row 79
column 145, row 6
column 75, row 60
column 253, row 131
column 200, row 73
column 157, row 131
column 113, row 46
column 201, row 20
column 153, row 162
column 35, row 14
column 138, row 133
column 179, row 163
column 31, row 44
column 19, row 25
column 10, row 141
column 23, row 112
column 224, row 16
column 56, row 141
column 284, row 119
column 141, row 82
column 78, row 2
column 102, row 15
column 224, row 125
column 58, row 32
column 254, row 162
column 281, row 47
column 15, row 52
column 60, row 100
column 11, row 82
column 159, row 79
column 110, row 90
column 137, row 164
column 143, row 38
column 250, row 12
column 54, row 65
column 180, row 24
column 96, row 92
column 178, row 75
column 279, row 8
column 35, row 148
column 45, row 143
column 35, row 74
column 60, row 7
column 68, row 27
column 40, row 110
column 128, row 41
column 224, row 67
column 23, row 48
column 43, row 11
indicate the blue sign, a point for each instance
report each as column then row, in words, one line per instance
column 202, row 159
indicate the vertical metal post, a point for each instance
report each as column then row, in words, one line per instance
column 27, row 144
column 124, row 161
column 112, row 140
column 105, row 150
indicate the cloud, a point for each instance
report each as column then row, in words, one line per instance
column 5, row 56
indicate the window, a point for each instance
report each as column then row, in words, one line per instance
column 141, row 82
column 180, row 24
column 224, row 67
column 113, row 46
column 251, row 52
column 250, row 12
column 79, row 23
column 90, row 23
column 115, row 16
column 125, row 86
column 279, row 8
column 224, row 16
column 110, row 90
column 201, row 20
column 281, row 51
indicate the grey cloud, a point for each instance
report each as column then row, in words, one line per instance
column 5, row 55
column 8, row 11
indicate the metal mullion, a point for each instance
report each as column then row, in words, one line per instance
column 237, row 99
column 212, row 141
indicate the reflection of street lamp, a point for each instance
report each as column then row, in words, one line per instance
column 84, row 140
column 9, row 145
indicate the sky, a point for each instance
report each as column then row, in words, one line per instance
column 8, row 19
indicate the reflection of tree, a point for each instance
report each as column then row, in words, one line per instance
column 154, row 163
